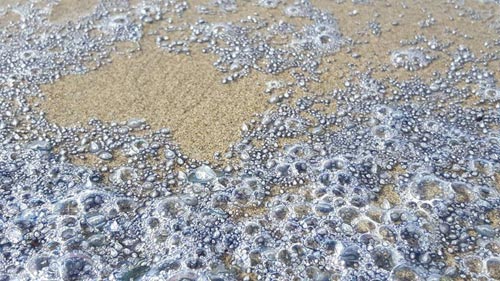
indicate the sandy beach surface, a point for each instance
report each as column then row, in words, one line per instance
column 249, row 140
column 184, row 93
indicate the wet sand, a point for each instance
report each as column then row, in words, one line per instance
column 185, row 93
column 179, row 92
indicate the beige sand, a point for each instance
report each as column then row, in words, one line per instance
column 6, row 14
column 72, row 9
column 184, row 93
column 375, row 54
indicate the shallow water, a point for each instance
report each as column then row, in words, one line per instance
column 249, row 140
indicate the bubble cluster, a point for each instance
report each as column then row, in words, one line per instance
column 401, row 181
column 410, row 59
